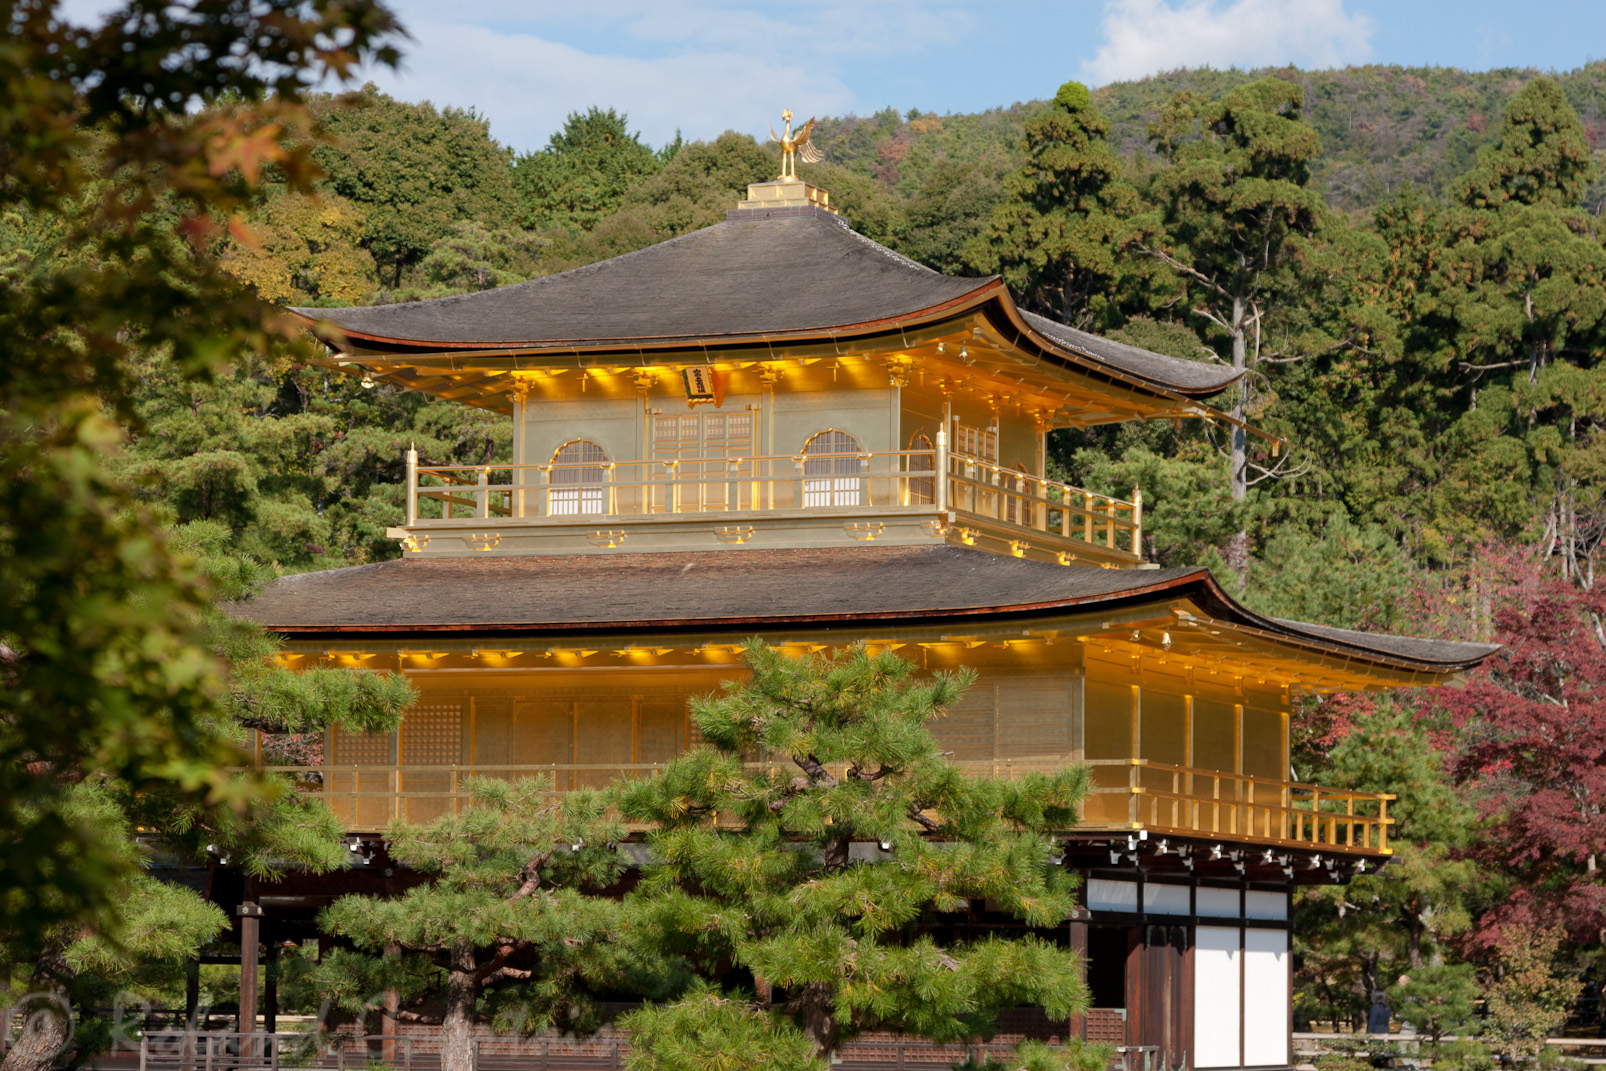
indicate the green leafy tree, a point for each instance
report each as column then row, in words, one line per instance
column 414, row 171
column 474, row 256
column 106, row 675
column 950, row 211
column 583, row 174
column 1057, row 235
column 694, row 190
column 1531, row 995
column 510, row 916
column 301, row 463
column 761, row 879
column 302, row 250
column 143, row 937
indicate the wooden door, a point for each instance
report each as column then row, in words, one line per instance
column 1165, row 996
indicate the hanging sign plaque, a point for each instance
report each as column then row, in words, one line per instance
column 699, row 380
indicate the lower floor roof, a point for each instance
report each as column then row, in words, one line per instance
column 758, row 589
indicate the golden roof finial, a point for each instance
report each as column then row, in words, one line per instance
column 793, row 146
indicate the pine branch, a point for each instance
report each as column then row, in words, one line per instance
column 817, row 773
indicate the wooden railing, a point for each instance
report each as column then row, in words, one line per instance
column 1137, row 793
column 1126, row 794
column 869, row 483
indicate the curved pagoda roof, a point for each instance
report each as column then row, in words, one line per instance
column 762, row 277
column 840, row 589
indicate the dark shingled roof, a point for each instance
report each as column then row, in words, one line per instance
column 1404, row 646
column 734, row 278
column 748, row 278
column 1184, row 376
column 756, row 589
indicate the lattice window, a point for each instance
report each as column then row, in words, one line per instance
column 432, row 735
column 704, row 444
column 831, row 471
column 358, row 749
column 577, row 475
column 976, row 442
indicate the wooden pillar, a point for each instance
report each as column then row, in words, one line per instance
column 1136, row 980
column 270, row 991
column 192, row 992
column 250, row 937
column 1078, row 944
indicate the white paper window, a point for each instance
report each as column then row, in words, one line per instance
column 1215, row 996
column 1165, row 899
column 1217, row 903
column 1266, row 1013
column 1106, row 895
column 1266, row 905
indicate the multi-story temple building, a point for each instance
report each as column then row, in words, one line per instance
column 776, row 426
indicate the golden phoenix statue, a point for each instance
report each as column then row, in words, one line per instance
column 795, row 145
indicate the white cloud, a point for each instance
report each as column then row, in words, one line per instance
column 1144, row 37
column 527, row 86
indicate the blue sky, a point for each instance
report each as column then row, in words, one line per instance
column 705, row 66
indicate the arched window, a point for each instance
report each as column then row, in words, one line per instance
column 922, row 489
column 831, row 470
column 576, row 479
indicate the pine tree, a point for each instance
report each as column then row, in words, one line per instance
column 1437, row 1000
column 763, row 877
column 1237, row 225
column 1399, row 918
column 1056, row 237
column 510, row 914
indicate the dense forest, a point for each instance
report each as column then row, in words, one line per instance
column 1408, row 264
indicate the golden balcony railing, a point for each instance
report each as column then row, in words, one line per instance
column 1139, row 794
column 975, row 491
column 1126, row 794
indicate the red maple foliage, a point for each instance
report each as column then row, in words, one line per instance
column 1530, row 740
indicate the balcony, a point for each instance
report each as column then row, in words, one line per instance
column 814, row 499
column 1127, row 794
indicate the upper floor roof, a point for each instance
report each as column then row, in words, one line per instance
column 767, row 279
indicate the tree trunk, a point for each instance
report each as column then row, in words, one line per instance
column 1413, row 939
column 1238, row 454
column 835, row 854
column 45, row 1033
column 457, row 1025
column 817, row 1021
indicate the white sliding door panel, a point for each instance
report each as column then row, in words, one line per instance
column 1215, row 996
column 1266, row 1012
